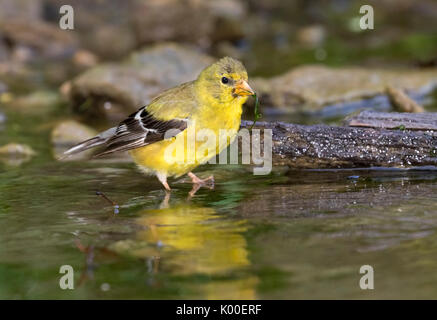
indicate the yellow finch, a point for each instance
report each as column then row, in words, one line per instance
column 213, row 102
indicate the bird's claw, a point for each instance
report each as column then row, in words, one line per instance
column 197, row 183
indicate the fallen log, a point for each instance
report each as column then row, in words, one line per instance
column 322, row 146
column 394, row 120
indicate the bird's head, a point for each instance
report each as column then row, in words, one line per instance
column 225, row 81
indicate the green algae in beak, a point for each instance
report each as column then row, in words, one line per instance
column 257, row 114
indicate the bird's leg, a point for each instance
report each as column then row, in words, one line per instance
column 193, row 191
column 166, row 186
column 196, row 180
column 162, row 177
column 197, row 183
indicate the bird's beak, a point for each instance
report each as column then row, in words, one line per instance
column 242, row 88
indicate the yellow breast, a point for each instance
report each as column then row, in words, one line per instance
column 211, row 129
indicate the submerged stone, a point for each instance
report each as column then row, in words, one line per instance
column 38, row 102
column 16, row 149
column 68, row 133
column 15, row 154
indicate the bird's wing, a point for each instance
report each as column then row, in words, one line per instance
column 164, row 117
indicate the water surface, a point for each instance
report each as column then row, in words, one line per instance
column 290, row 234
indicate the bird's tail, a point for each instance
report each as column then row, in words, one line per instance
column 96, row 141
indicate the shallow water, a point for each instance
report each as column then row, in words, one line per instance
column 291, row 234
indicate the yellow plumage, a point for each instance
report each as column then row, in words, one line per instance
column 228, row 117
column 213, row 103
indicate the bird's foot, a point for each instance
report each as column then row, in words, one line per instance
column 196, row 180
column 162, row 177
column 166, row 186
column 197, row 183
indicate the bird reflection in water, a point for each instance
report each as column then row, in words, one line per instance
column 188, row 239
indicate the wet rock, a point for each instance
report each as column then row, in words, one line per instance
column 95, row 25
column 199, row 22
column 310, row 88
column 227, row 9
column 37, row 39
column 84, row 58
column 35, row 52
column 68, row 133
column 15, row 154
column 227, row 49
column 101, row 41
column 228, row 16
column 16, row 149
column 172, row 20
column 311, row 36
column 18, row 76
column 103, row 29
column 117, row 89
column 4, row 96
column 22, row 9
column 35, row 103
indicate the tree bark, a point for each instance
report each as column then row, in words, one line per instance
column 394, row 120
column 322, row 146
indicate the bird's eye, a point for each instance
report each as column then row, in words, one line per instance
column 225, row 80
